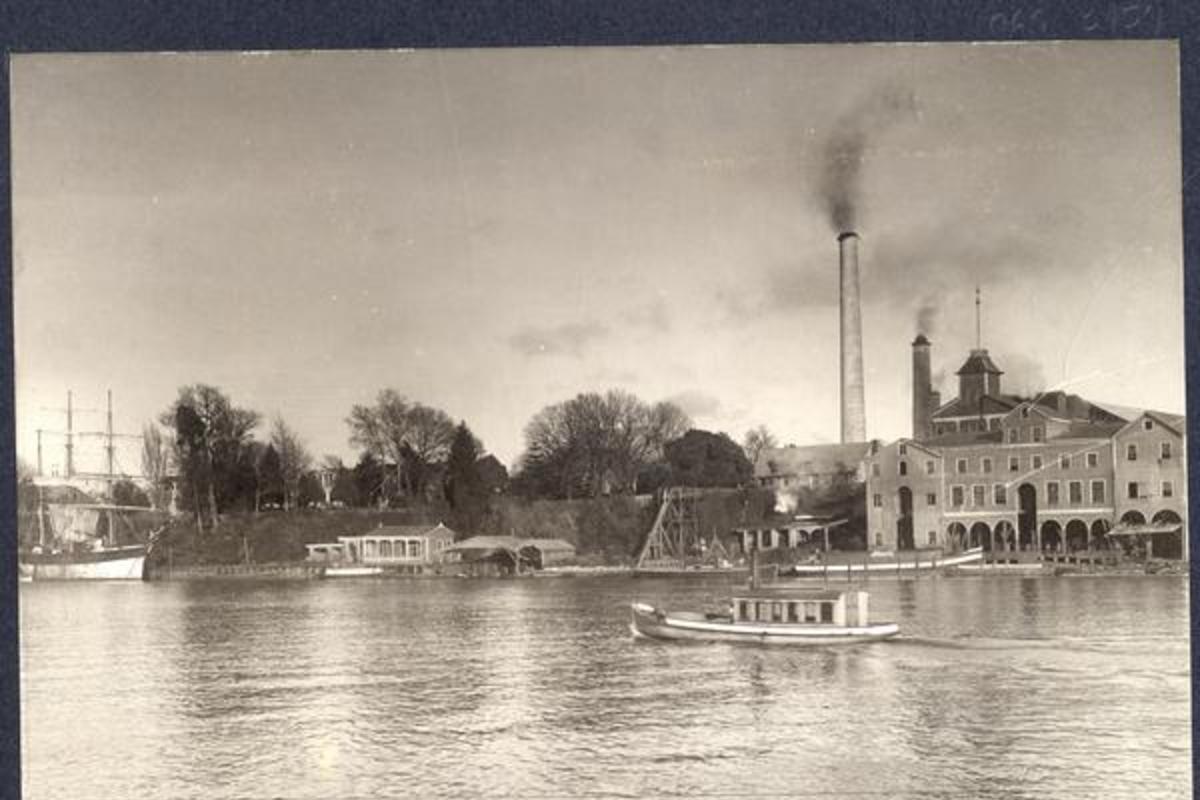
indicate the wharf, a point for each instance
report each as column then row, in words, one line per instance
column 207, row 572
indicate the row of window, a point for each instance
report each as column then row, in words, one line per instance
column 987, row 464
column 1164, row 451
column 1053, row 495
column 1135, row 491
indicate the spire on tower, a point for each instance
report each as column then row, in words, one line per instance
column 978, row 324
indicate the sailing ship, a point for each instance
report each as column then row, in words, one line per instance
column 65, row 533
column 86, row 540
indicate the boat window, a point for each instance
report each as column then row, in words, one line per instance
column 777, row 612
column 793, row 612
column 743, row 610
column 826, row 612
column 810, row 612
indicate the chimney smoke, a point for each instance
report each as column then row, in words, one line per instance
column 854, row 421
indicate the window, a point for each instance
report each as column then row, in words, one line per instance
column 879, row 540
column 1164, row 450
column 1052, row 493
column 1093, row 460
column 932, row 537
column 931, row 499
column 743, row 610
column 1037, row 462
column 994, row 424
column 1075, row 492
column 1039, row 433
column 962, row 466
column 1133, row 490
column 793, row 612
column 903, row 467
column 903, row 449
column 956, row 495
column 979, row 495
column 1012, row 435
column 874, row 470
column 826, row 612
column 987, row 465
column 1168, row 489
column 877, row 501
column 1148, row 424
column 1025, row 412
column 1064, row 462
column 1000, row 494
column 776, row 612
column 1097, row 491
column 1131, row 452
column 930, row 467
column 1014, row 464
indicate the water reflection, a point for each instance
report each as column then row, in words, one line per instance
column 999, row 685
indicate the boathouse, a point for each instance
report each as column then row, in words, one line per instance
column 510, row 554
column 402, row 548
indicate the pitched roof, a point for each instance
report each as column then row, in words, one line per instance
column 512, row 544
column 1089, row 430
column 963, row 438
column 988, row 404
column 810, row 459
column 410, row 530
column 979, row 362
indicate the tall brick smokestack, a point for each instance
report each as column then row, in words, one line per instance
column 922, row 389
column 854, row 417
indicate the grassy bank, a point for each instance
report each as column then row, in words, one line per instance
column 605, row 531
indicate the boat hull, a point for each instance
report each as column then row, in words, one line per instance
column 974, row 556
column 353, row 572
column 653, row 623
column 115, row 564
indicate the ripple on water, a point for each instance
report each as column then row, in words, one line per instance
column 998, row 687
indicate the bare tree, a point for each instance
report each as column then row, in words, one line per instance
column 156, row 464
column 410, row 435
column 294, row 459
column 596, row 443
column 757, row 440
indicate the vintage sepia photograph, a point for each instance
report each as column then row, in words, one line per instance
column 756, row 421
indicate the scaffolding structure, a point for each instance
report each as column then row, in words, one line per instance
column 676, row 541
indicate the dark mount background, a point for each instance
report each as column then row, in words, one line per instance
column 139, row 25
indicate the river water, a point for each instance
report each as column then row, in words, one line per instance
column 999, row 687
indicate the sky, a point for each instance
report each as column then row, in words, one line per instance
column 493, row 231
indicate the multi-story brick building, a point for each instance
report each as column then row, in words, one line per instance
column 1055, row 472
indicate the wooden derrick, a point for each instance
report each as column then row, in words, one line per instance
column 675, row 541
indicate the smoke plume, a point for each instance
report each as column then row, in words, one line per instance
column 841, row 175
column 927, row 315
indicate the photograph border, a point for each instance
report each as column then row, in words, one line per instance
column 118, row 25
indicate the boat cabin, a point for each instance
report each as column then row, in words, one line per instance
column 788, row 606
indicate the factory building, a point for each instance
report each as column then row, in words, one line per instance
column 1055, row 473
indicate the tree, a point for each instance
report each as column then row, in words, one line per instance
column 702, row 459
column 465, row 490
column 156, row 464
column 211, row 435
column 594, row 444
column 270, row 477
column 127, row 493
column 370, row 480
column 757, row 440
column 294, row 460
column 492, row 474
column 412, row 436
